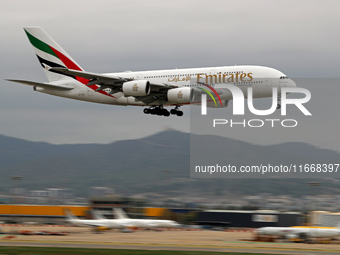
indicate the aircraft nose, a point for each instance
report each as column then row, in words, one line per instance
column 291, row 83
column 261, row 231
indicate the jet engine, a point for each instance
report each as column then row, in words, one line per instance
column 136, row 88
column 291, row 236
column 300, row 237
column 101, row 228
column 180, row 95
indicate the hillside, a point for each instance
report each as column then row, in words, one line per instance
column 158, row 163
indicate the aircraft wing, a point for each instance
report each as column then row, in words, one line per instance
column 43, row 85
column 92, row 77
column 107, row 81
column 151, row 224
column 94, row 224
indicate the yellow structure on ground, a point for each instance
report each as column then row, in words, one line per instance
column 42, row 210
column 154, row 212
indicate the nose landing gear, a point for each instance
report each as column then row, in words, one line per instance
column 278, row 103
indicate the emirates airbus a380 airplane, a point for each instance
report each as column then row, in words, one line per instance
column 150, row 89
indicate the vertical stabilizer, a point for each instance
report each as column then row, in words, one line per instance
column 69, row 215
column 98, row 215
column 120, row 214
column 50, row 53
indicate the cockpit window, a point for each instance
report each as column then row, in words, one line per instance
column 283, row 77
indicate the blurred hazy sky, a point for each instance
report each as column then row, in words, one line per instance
column 299, row 38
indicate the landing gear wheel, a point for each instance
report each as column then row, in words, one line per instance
column 166, row 113
column 179, row 113
column 176, row 111
column 160, row 111
column 173, row 111
column 278, row 102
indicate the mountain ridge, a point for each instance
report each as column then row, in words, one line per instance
column 154, row 163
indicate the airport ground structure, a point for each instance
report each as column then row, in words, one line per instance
column 39, row 214
column 54, row 215
column 249, row 219
column 325, row 219
column 140, row 208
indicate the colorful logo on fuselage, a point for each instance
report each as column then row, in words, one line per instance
column 209, row 93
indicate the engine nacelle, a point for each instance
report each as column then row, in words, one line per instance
column 301, row 237
column 218, row 104
column 291, row 236
column 136, row 88
column 180, row 95
column 101, row 228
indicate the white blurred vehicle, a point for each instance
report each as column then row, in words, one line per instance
column 123, row 219
column 96, row 224
column 299, row 233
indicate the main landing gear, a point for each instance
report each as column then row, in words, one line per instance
column 160, row 111
column 176, row 111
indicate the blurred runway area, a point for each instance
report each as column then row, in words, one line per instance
column 204, row 240
column 238, row 249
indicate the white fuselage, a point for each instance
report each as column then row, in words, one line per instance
column 288, row 232
column 110, row 224
column 261, row 79
column 146, row 223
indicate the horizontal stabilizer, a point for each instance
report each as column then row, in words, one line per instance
column 43, row 85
